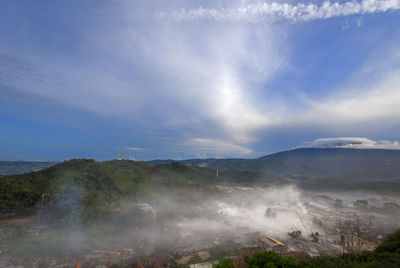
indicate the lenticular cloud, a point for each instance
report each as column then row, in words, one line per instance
column 356, row 143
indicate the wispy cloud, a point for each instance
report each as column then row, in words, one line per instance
column 274, row 11
column 355, row 143
column 373, row 95
column 137, row 149
column 216, row 147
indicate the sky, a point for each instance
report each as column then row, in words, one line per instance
column 194, row 79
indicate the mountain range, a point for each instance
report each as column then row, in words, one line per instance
column 88, row 185
column 343, row 163
column 18, row 167
column 320, row 163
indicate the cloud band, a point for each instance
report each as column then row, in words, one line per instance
column 272, row 11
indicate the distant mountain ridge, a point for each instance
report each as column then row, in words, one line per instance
column 353, row 164
column 19, row 167
column 350, row 164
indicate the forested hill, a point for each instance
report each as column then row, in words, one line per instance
column 351, row 164
column 93, row 184
column 89, row 186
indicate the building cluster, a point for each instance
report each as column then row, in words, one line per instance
column 338, row 228
column 203, row 256
column 96, row 258
column 193, row 257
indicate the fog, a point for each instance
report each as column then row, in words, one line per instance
column 180, row 220
column 198, row 220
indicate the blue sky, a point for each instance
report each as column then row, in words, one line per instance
column 185, row 79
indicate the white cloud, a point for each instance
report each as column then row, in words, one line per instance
column 355, row 143
column 372, row 96
column 359, row 21
column 212, row 74
column 274, row 11
column 378, row 103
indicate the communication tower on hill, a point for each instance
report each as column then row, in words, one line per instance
column 126, row 155
column 121, row 155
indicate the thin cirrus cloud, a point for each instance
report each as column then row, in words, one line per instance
column 274, row 11
column 211, row 74
column 216, row 147
column 372, row 96
column 377, row 103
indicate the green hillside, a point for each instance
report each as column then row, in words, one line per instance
column 89, row 185
column 72, row 182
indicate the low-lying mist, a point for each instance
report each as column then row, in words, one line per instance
column 182, row 219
